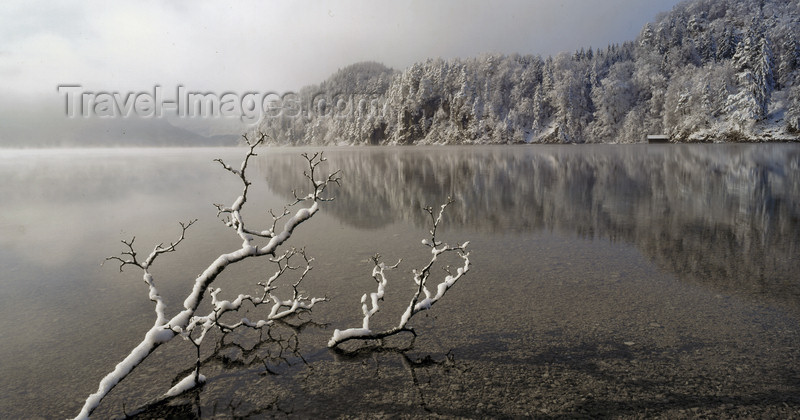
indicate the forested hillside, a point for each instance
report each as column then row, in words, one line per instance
column 709, row 70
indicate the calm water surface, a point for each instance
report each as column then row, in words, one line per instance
column 629, row 273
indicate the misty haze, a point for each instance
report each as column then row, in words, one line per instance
column 455, row 209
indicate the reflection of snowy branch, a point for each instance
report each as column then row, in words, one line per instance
column 185, row 322
column 417, row 303
column 423, row 363
column 272, row 351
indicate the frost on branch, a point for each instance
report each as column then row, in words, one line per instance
column 184, row 322
column 422, row 299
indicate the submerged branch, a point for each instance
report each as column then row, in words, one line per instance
column 184, row 322
column 417, row 304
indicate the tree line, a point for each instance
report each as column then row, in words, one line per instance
column 709, row 70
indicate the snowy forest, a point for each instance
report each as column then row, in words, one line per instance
column 709, row 70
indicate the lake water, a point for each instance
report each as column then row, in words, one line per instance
column 606, row 280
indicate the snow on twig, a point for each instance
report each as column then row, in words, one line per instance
column 187, row 383
column 417, row 304
column 185, row 321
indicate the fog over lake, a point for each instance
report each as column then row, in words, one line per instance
column 612, row 271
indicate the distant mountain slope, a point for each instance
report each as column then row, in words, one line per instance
column 113, row 132
column 709, row 70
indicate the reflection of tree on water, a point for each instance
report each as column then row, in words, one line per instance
column 271, row 353
column 290, row 388
column 722, row 215
column 421, row 370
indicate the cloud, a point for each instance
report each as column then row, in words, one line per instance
column 278, row 46
column 292, row 43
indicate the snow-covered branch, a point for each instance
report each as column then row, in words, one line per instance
column 272, row 351
column 129, row 256
column 418, row 303
column 185, row 322
column 279, row 308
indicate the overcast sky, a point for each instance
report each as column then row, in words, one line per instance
column 277, row 46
